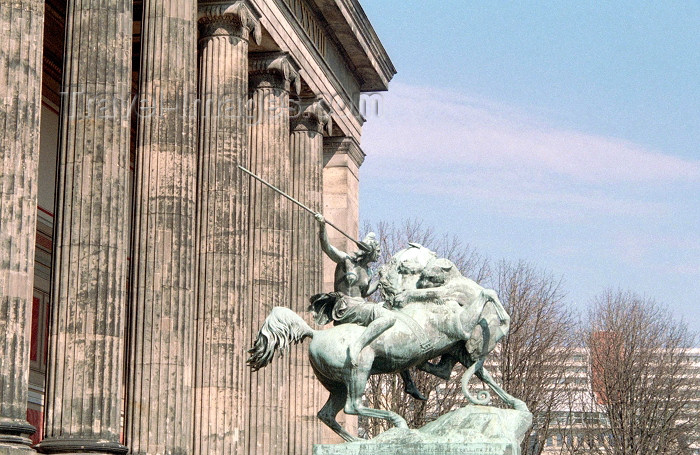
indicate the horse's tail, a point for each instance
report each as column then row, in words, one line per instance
column 282, row 328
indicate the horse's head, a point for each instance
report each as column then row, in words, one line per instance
column 489, row 327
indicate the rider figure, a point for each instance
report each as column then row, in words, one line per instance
column 348, row 304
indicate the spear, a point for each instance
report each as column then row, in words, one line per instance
column 274, row 188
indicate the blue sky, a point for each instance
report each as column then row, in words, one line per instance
column 563, row 133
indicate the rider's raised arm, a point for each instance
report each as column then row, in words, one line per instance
column 332, row 252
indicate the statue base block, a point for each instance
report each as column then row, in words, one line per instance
column 472, row 430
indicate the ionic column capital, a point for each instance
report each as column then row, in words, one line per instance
column 274, row 70
column 312, row 114
column 237, row 18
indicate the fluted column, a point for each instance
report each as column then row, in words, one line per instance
column 271, row 76
column 89, row 290
column 160, row 380
column 310, row 122
column 21, row 23
column 222, row 296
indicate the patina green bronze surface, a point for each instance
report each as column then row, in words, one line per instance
column 431, row 311
column 348, row 304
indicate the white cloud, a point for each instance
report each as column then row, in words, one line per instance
column 426, row 125
column 446, row 144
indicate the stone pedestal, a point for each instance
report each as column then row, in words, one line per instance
column 269, row 241
column 89, row 290
column 472, row 430
column 222, row 322
column 435, row 448
column 158, row 417
column 21, row 23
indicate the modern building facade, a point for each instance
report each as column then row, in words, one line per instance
column 580, row 423
column 136, row 260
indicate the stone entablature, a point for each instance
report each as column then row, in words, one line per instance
column 359, row 41
column 307, row 19
column 351, row 59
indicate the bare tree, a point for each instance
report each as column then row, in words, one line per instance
column 533, row 360
column 387, row 391
column 639, row 378
column 396, row 236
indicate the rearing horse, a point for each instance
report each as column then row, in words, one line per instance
column 423, row 331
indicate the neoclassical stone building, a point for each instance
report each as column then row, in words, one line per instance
column 136, row 260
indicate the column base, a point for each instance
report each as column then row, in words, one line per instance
column 12, row 449
column 15, row 433
column 80, row 446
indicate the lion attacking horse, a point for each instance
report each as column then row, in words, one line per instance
column 443, row 314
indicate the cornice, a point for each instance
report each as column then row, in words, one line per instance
column 366, row 33
column 353, row 30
